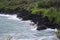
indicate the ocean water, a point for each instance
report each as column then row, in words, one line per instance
column 12, row 28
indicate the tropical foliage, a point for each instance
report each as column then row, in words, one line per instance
column 50, row 8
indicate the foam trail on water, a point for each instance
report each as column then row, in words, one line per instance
column 29, row 34
column 33, row 27
column 13, row 17
column 4, row 15
column 49, row 29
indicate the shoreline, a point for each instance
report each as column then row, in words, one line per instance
column 42, row 22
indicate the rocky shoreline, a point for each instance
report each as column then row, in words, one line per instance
column 42, row 22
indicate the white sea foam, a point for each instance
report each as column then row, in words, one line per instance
column 49, row 29
column 13, row 17
column 15, row 36
column 3, row 15
column 33, row 27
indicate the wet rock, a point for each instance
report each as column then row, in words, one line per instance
column 42, row 22
column 41, row 27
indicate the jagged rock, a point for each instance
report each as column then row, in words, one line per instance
column 42, row 22
column 41, row 27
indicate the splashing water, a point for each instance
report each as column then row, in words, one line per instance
column 12, row 28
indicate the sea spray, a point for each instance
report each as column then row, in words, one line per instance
column 13, row 17
column 22, row 30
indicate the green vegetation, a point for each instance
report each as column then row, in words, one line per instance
column 50, row 8
column 9, row 37
column 58, row 34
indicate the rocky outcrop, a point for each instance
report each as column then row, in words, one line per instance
column 42, row 22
